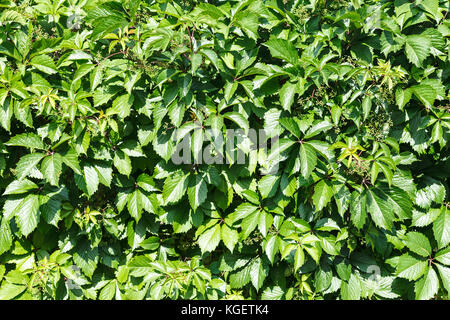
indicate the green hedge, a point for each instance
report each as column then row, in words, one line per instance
column 334, row 182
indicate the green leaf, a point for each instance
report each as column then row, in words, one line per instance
column 323, row 192
column 427, row 287
column 425, row 93
column 27, row 214
column 197, row 191
column 351, row 290
column 83, row 70
column 283, row 49
column 5, row 236
column 108, row 292
column 271, row 247
column 445, row 276
column 268, row 185
column 230, row 237
column 122, row 162
column 299, row 258
column 366, row 106
column 239, row 119
column 441, row 228
column 20, row 186
column 258, row 273
column 27, row 140
column 402, row 97
column 9, row 291
column 86, row 258
column 91, row 179
column 121, row 106
column 308, row 159
column 379, row 208
column 287, row 94
column 443, row 256
column 27, row 163
column 174, row 188
column 51, row 168
column 417, row 49
column 418, row 243
column 135, row 204
column 358, row 209
column 209, row 240
column 44, row 63
column 411, row 268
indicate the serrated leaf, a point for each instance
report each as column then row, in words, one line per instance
column 417, row 49
column 197, row 191
column 91, row 179
column 27, row 140
column 323, row 192
column 229, row 236
column 308, row 159
column 441, row 228
column 210, row 239
column 27, row 214
column 418, row 243
column 427, row 287
column 20, row 186
column 174, row 188
column 283, row 49
column 27, row 163
column 411, row 268
column 51, row 168
column 287, row 94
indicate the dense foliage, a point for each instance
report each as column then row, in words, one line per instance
column 345, row 197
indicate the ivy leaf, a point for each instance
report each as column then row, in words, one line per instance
column 51, row 168
column 9, row 291
column 441, row 228
column 418, row 243
column 20, row 186
column 108, row 292
column 27, row 140
column 86, row 258
column 417, row 49
column 258, row 273
column 175, row 187
column 121, row 106
column 122, row 162
column 351, row 290
column 197, row 191
column 358, row 209
column 27, row 214
column 411, row 268
column 445, row 276
column 283, row 49
column 44, row 63
column 5, row 236
column 379, row 208
column 323, row 192
column 229, row 236
column 135, row 204
column 425, row 93
column 210, row 239
column 268, row 185
column 271, row 247
column 91, row 178
column 443, row 256
column 27, row 163
column 287, row 94
column 427, row 287
column 308, row 159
